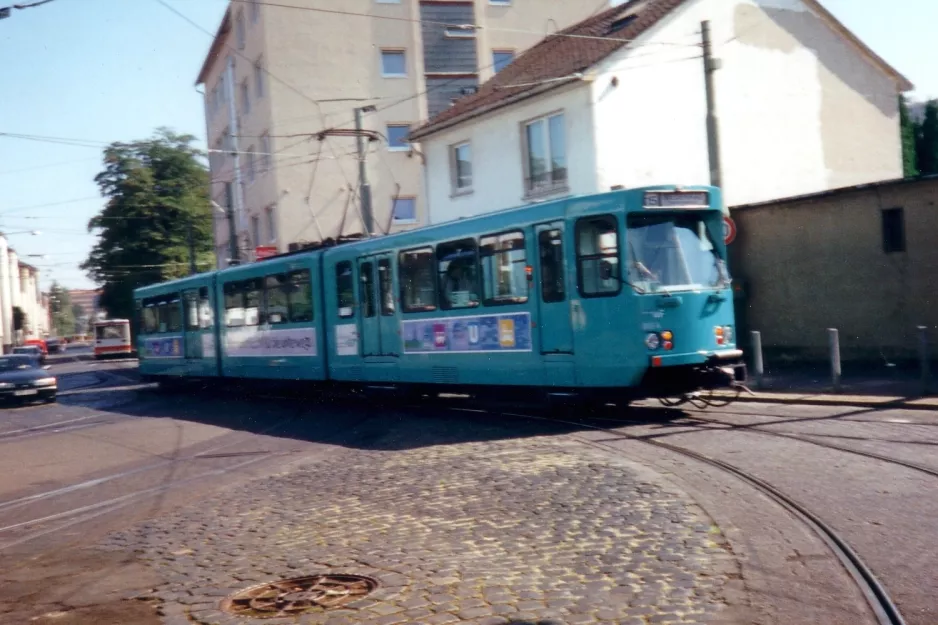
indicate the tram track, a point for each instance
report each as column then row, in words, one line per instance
column 878, row 599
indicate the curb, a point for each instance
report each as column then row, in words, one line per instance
column 858, row 401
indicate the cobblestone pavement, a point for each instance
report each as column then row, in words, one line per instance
column 506, row 531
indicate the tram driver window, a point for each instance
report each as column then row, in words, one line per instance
column 416, row 275
column 504, row 278
column 345, row 289
column 457, row 266
column 597, row 251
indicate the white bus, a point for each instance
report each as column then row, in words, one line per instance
column 112, row 338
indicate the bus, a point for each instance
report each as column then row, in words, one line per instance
column 112, row 338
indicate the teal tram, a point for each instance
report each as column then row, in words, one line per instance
column 614, row 297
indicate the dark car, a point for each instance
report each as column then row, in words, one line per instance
column 22, row 378
column 56, row 345
column 31, row 350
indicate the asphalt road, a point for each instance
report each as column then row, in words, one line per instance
column 113, row 454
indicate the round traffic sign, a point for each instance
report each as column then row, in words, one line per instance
column 729, row 230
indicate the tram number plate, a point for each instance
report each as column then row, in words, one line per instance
column 24, row 393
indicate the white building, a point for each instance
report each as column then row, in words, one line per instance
column 19, row 288
column 619, row 99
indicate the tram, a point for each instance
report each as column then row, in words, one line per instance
column 613, row 296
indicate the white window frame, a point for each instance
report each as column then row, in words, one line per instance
column 551, row 187
column 240, row 31
column 271, row 224
column 394, row 201
column 259, row 87
column 455, row 32
column 400, row 148
column 402, row 53
column 265, row 152
column 454, row 168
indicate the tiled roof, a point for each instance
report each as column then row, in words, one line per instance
column 559, row 56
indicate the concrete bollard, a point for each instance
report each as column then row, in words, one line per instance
column 758, row 366
column 834, row 341
column 923, row 359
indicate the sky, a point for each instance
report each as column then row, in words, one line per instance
column 115, row 70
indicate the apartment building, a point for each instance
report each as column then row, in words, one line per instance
column 277, row 77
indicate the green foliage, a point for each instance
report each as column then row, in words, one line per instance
column 910, row 130
column 156, row 189
column 62, row 310
column 927, row 147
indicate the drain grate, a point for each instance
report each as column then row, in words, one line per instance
column 291, row 597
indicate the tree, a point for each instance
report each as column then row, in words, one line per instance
column 910, row 131
column 61, row 310
column 157, row 190
column 928, row 141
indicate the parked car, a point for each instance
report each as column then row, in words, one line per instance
column 40, row 343
column 56, row 345
column 22, row 378
column 32, row 351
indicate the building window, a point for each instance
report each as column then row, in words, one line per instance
column 345, row 289
column 245, row 98
column 597, row 256
column 256, row 229
column 265, row 153
column 504, row 269
column 501, row 58
column 393, row 63
column 255, row 11
column 259, row 78
column 416, row 276
column 239, row 31
column 249, row 164
column 404, row 209
column 545, row 153
column 462, row 167
column 271, row 224
column 397, row 137
column 893, row 230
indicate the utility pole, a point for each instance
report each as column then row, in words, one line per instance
column 364, row 187
column 711, row 65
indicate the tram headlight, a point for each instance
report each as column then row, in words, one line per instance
column 652, row 341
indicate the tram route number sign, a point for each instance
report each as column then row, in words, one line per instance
column 729, row 230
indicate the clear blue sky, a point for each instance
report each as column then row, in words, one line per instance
column 114, row 70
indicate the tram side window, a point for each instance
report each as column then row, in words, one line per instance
column 206, row 314
column 345, row 289
column 151, row 320
column 277, row 288
column 367, row 285
column 597, row 256
column 253, row 297
column 550, row 250
column 386, row 286
column 234, row 305
column 457, row 266
column 191, row 299
column 300, row 296
column 416, row 274
column 504, row 279
column 174, row 314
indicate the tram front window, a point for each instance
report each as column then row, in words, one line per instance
column 672, row 252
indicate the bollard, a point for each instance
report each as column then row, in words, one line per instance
column 834, row 340
column 923, row 359
column 758, row 366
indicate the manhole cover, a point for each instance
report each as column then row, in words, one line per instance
column 290, row 597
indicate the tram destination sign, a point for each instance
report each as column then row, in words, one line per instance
column 677, row 199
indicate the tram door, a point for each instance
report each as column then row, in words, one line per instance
column 368, row 298
column 553, row 302
column 387, row 308
column 192, row 336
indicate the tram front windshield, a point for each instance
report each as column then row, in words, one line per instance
column 673, row 252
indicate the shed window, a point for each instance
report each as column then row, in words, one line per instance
column 457, row 266
column 345, row 289
column 415, row 272
column 597, row 247
column 504, row 278
column 893, row 230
